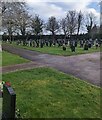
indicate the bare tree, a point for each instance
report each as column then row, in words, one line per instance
column 8, row 21
column 37, row 25
column 63, row 24
column 52, row 26
column 22, row 19
column 23, row 22
column 90, row 21
column 80, row 21
column 18, row 14
column 71, row 21
column 16, row 19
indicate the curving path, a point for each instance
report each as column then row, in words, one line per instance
column 86, row 66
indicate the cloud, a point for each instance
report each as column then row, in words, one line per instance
column 45, row 10
column 85, row 1
column 59, row 8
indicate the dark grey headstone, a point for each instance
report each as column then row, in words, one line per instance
column 9, row 102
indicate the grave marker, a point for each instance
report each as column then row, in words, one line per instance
column 9, row 100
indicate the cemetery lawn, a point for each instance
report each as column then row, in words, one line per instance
column 48, row 93
column 11, row 59
column 58, row 50
column 0, row 107
column 55, row 50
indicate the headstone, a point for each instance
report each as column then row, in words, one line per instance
column 81, row 43
column 41, row 44
column 37, row 44
column 46, row 43
column 75, row 43
column 96, row 45
column 34, row 44
column 89, row 44
column 72, row 46
column 29, row 43
column 9, row 102
column 64, row 47
column 50, row 43
column 86, row 46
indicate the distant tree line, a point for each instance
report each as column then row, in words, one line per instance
column 49, row 37
column 17, row 21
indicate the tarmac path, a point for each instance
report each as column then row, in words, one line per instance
column 85, row 66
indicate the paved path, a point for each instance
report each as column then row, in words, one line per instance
column 17, row 67
column 86, row 67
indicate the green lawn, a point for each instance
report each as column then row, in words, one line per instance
column 0, row 107
column 11, row 59
column 58, row 50
column 0, row 58
column 47, row 93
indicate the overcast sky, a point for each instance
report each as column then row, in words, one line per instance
column 59, row 8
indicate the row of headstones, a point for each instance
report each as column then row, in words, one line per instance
column 59, row 42
column 84, row 44
column 40, row 43
column 72, row 43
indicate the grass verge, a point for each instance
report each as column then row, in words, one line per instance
column 11, row 59
column 48, row 93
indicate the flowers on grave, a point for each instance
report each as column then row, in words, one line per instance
column 17, row 113
column 1, row 85
column 8, row 84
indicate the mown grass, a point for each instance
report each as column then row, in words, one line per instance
column 0, row 107
column 11, row 59
column 0, row 58
column 47, row 93
column 55, row 50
